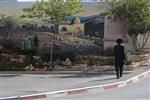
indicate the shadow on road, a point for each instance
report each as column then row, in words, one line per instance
column 88, row 75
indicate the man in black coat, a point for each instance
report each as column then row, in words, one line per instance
column 119, row 57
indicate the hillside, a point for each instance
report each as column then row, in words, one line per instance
column 81, row 45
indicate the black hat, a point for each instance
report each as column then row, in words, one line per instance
column 119, row 41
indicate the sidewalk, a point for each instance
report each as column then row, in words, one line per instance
column 27, row 84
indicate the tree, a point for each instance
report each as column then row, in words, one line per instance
column 135, row 14
column 53, row 11
column 144, row 30
column 2, row 17
column 11, row 25
column 9, row 22
column 36, row 41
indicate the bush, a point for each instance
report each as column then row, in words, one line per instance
column 29, row 59
column 29, row 26
column 45, row 57
column 5, row 67
column 62, row 55
column 108, row 52
column 108, row 61
column 11, row 67
column 44, row 27
column 17, row 66
column 8, row 44
column 26, row 51
column 1, row 42
column 128, row 62
column 44, row 54
column 36, row 41
column 91, row 60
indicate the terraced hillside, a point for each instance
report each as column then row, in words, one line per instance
column 81, row 45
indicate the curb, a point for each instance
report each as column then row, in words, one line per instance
column 97, row 88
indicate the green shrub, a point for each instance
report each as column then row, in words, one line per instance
column 36, row 41
column 108, row 61
column 1, row 42
column 24, row 52
column 5, row 67
column 29, row 59
column 44, row 54
column 91, row 60
column 128, row 62
column 8, row 45
column 17, row 66
column 108, row 52
column 45, row 57
column 62, row 55
column 44, row 27
column 27, row 51
column 29, row 26
column 42, row 51
column 11, row 67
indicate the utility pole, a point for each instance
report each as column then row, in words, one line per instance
column 51, row 52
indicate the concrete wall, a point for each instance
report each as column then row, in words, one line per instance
column 111, row 44
column 114, row 30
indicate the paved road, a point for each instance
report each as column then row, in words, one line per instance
column 15, row 85
column 26, row 84
column 137, row 91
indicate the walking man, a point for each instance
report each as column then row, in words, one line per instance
column 119, row 57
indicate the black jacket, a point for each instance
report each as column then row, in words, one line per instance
column 119, row 52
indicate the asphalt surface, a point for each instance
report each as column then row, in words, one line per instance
column 26, row 84
column 137, row 91
column 16, row 85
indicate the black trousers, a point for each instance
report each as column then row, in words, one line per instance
column 119, row 67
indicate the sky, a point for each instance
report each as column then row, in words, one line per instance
column 26, row 0
column 64, row 0
column 14, row 8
